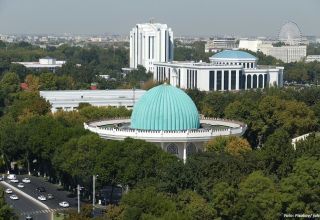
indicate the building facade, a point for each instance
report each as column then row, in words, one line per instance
column 313, row 58
column 287, row 54
column 150, row 43
column 229, row 70
column 69, row 100
column 219, row 44
column 44, row 63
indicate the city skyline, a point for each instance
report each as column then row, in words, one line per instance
column 195, row 18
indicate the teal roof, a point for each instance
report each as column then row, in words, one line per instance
column 166, row 108
column 233, row 54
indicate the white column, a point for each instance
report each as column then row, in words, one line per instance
column 237, row 80
column 251, row 81
column 184, row 152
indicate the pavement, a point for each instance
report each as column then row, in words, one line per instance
column 28, row 202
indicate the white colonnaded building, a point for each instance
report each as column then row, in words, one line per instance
column 149, row 43
column 69, row 100
column 229, row 70
column 44, row 63
column 167, row 116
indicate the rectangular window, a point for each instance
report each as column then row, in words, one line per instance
column 196, row 80
column 169, row 77
column 265, row 80
column 219, row 78
column 226, row 80
column 211, row 80
column 187, row 79
column 233, row 79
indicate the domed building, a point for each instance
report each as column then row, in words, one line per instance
column 228, row 70
column 167, row 116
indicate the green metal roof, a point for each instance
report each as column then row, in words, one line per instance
column 166, row 108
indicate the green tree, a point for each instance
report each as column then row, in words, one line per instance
column 301, row 189
column 258, row 198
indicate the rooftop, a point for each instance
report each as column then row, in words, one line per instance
column 233, row 54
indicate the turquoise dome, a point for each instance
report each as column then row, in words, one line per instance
column 166, row 108
column 233, row 54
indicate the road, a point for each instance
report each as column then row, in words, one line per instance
column 25, row 206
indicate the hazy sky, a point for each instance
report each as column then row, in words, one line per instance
column 186, row 17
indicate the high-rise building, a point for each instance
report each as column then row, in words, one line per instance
column 150, row 43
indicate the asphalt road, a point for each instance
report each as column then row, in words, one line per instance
column 24, row 206
column 59, row 195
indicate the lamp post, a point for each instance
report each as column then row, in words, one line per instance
column 78, row 193
column 94, row 177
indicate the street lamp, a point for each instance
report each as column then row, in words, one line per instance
column 78, row 192
column 94, row 177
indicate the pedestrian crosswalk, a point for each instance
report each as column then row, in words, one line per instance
column 43, row 211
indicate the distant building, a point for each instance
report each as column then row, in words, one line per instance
column 149, row 43
column 44, row 63
column 69, row 100
column 252, row 45
column 219, row 44
column 229, row 70
column 312, row 58
column 287, row 54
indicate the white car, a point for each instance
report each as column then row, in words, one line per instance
column 9, row 191
column 64, row 204
column 11, row 176
column 26, row 180
column 14, row 181
column 20, row 185
column 14, row 197
column 42, row 198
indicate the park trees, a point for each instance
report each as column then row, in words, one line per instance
column 232, row 145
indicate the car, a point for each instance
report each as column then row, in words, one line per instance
column 42, row 198
column 29, row 217
column 26, row 180
column 50, row 196
column 14, row 197
column 9, row 191
column 40, row 189
column 14, row 180
column 11, row 176
column 64, row 204
column 20, row 185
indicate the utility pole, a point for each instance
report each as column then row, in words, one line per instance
column 93, row 192
column 78, row 192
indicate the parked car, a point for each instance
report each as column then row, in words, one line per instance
column 50, row 196
column 8, row 191
column 40, row 189
column 29, row 217
column 26, row 180
column 20, row 185
column 11, row 176
column 14, row 180
column 14, row 197
column 42, row 198
column 64, row 204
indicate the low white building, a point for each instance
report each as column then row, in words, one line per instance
column 69, row 100
column 229, row 70
column 287, row 54
column 252, row 45
column 44, row 63
column 312, row 58
column 214, row 45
